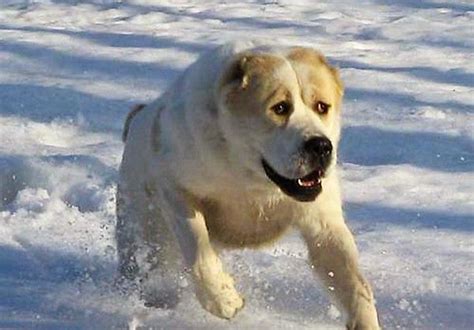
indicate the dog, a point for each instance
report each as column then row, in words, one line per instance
column 240, row 148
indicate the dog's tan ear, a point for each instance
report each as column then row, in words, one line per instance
column 337, row 79
column 236, row 72
column 247, row 68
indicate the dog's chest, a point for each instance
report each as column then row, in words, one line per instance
column 240, row 224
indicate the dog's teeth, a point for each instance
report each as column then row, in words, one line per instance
column 305, row 183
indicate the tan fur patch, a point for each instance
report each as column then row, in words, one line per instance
column 307, row 55
column 257, row 227
column 319, row 82
column 314, row 58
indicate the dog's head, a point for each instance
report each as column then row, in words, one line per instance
column 280, row 114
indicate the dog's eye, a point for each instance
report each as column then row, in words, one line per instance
column 282, row 108
column 322, row 107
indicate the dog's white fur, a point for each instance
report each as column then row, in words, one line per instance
column 191, row 174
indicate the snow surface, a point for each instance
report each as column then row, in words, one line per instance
column 69, row 72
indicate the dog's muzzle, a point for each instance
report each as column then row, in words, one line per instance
column 318, row 151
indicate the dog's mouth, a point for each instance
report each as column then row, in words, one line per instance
column 304, row 189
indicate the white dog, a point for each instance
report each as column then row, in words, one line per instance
column 240, row 148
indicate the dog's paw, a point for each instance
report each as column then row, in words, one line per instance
column 226, row 305
column 356, row 325
column 365, row 318
column 220, row 298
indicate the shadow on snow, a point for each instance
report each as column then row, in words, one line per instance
column 453, row 77
column 121, row 40
column 365, row 217
column 423, row 4
column 371, row 146
column 31, row 276
column 31, row 101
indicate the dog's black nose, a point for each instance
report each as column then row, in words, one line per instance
column 319, row 146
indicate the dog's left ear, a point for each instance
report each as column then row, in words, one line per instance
column 236, row 72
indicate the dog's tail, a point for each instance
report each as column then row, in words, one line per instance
column 136, row 109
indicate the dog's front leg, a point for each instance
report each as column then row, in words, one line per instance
column 214, row 287
column 334, row 257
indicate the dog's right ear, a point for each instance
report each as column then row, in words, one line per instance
column 236, row 72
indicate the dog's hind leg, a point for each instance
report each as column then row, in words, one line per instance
column 146, row 248
column 127, row 232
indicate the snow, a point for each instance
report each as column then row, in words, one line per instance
column 71, row 70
